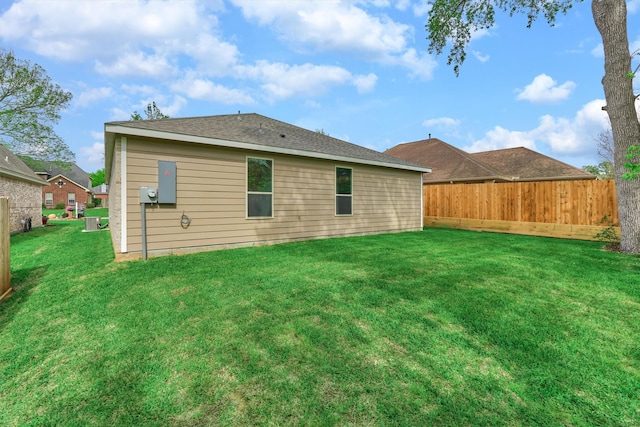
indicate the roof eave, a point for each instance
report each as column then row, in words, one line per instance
column 22, row 177
column 112, row 130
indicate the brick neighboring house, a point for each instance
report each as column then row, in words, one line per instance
column 68, row 184
column 23, row 187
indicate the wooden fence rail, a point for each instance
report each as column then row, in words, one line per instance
column 5, row 249
column 573, row 209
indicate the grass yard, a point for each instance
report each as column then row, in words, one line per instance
column 439, row 327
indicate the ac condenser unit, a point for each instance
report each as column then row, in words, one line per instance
column 91, row 223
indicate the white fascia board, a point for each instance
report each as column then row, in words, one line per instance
column 124, row 130
column 22, row 177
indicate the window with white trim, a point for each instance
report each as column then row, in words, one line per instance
column 259, row 188
column 71, row 199
column 344, row 191
column 48, row 199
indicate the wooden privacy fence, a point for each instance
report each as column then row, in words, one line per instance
column 5, row 249
column 568, row 209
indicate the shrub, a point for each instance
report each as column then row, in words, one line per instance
column 65, row 215
column 60, row 206
column 90, row 205
column 98, row 202
column 608, row 233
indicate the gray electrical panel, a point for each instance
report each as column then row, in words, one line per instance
column 166, row 182
column 148, row 194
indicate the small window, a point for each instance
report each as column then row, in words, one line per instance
column 344, row 191
column 48, row 199
column 259, row 188
column 71, row 199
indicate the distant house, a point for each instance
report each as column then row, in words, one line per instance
column 66, row 184
column 23, row 187
column 101, row 192
column 247, row 179
column 452, row 165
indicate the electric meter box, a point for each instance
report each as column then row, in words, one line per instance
column 166, row 182
column 148, row 194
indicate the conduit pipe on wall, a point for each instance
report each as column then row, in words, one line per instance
column 143, row 218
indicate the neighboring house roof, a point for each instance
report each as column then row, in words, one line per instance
column 450, row 164
column 254, row 132
column 70, row 171
column 101, row 189
column 446, row 161
column 12, row 166
column 524, row 164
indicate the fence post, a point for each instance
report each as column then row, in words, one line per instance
column 5, row 249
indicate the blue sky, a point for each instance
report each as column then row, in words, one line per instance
column 359, row 70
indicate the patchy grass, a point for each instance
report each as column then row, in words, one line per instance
column 439, row 327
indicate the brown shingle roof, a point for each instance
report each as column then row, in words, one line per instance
column 450, row 164
column 263, row 132
column 447, row 162
column 524, row 164
column 11, row 165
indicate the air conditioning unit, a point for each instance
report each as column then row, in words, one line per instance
column 91, row 223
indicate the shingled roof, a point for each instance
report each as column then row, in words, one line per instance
column 255, row 132
column 450, row 164
column 524, row 164
column 68, row 170
column 13, row 167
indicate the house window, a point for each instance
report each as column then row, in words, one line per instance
column 259, row 188
column 344, row 191
column 48, row 199
column 71, row 199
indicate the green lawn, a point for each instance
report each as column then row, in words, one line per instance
column 439, row 327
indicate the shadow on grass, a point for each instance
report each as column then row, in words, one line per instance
column 23, row 282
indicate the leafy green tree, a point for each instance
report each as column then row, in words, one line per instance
column 453, row 21
column 633, row 163
column 152, row 112
column 604, row 170
column 97, row 177
column 30, row 105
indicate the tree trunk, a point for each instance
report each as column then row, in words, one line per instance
column 610, row 17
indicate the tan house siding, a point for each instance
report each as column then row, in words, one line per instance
column 211, row 191
column 24, row 202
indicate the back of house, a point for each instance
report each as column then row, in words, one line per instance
column 202, row 183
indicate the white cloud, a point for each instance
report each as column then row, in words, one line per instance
column 480, row 57
column 92, row 157
column 138, row 64
column 562, row 136
column 545, row 89
column 329, row 26
column 441, row 122
column 197, row 88
column 91, row 96
column 366, row 83
column 419, row 66
column 73, row 30
column 282, row 81
column 421, row 7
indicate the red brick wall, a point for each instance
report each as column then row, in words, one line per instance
column 60, row 193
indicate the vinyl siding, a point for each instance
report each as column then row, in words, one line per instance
column 211, row 190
